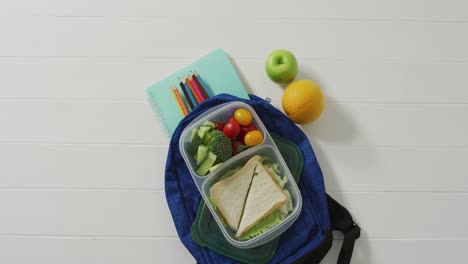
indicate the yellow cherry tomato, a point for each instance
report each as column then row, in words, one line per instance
column 253, row 138
column 243, row 116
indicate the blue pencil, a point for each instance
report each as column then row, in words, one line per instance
column 192, row 99
column 187, row 98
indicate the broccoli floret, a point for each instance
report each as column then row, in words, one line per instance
column 220, row 145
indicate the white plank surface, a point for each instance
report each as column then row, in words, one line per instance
column 120, row 213
column 92, row 250
column 58, row 250
column 82, row 166
column 133, row 122
column 345, row 81
column 81, row 151
column 85, row 213
column 133, row 167
column 402, row 251
column 144, row 37
column 438, row 10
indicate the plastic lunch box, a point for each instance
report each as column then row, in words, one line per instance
column 266, row 148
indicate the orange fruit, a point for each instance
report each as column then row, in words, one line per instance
column 303, row 101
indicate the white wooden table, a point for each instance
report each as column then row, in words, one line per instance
column 81, row 154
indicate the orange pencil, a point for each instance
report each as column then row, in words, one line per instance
column 199, row 100
column 181, row 102
column 177, row 102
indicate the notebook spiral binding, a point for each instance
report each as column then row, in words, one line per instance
column 159, row 117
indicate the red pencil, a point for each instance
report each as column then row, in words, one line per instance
column 197, row 89
column 198, row 96
column 202, row 89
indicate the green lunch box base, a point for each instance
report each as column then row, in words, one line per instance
column 205, row 232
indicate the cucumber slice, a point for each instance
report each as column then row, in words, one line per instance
column 206, row 138
column 193, row 147
column 205, row 129
column 207, row 164
column 215, row 167
column 201, row 133
column 208, row 123
column 194, row 131
column 201, row 154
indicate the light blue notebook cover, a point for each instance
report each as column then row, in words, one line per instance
column 218, row 74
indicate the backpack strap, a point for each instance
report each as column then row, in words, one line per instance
column 342, row 220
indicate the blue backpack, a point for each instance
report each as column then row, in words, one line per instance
column 308, row 239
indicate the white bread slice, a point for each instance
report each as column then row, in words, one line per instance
column 264, row 197
column 229, row 194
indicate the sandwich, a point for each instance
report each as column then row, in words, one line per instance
column 250, row 200
column 264, row 197
column 229, row 195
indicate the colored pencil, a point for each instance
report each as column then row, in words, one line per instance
column 191, row 95
column 177, row 102
column 200, row 87
column 202, row 83
column 195, row 86
column 181, row 100
column 189, row 100
column 194, row 92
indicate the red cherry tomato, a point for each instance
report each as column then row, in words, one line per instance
column 231, row 129
column 231, row 119
column 219, row 126
column 235, row 146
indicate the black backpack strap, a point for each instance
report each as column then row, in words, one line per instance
column 342, row 220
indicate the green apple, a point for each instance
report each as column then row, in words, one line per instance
column 281, row 66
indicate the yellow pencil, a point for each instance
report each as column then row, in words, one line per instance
column 180, row 100
column 177, row 101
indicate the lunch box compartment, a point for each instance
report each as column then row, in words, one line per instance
column 219, row 113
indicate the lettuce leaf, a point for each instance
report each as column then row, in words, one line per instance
column 265, row 224
column 275, row 172
column 217, row 212
column 288, row 206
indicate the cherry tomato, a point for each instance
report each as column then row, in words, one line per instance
column 247, row 129
column 235, row 146
column 231, row 129
column 231, row 119
column 253, row 138
column 243, row 116
column 219, row 126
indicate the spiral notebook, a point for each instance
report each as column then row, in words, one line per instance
column 218, row 74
